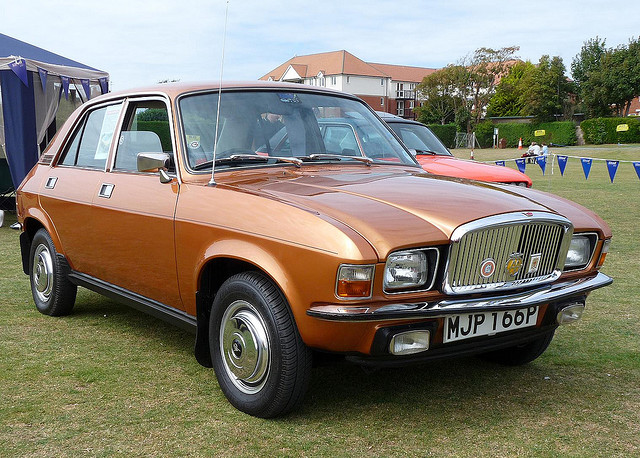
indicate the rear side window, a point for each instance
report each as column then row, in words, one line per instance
column 92, row 139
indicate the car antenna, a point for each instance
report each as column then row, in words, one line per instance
column 212, row 182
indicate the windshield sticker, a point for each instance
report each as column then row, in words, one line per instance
column 106, row 132
column 288, row 98
column 193, row 141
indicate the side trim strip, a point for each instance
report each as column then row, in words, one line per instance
column 136, row 301
column 406, row 311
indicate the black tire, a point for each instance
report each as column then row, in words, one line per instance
column 520, row 354
column 52, row 291
column 261, row 363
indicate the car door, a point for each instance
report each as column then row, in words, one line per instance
column 68, row 191
column 134, row 212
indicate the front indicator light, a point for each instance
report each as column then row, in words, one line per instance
column 354, row 281
column 409, row 342
column 570, row 314
column 603, row 253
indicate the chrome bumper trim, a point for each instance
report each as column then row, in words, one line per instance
column 407, row 311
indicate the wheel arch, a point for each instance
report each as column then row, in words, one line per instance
column 212, row 274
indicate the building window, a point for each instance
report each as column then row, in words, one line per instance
column 381, row 81
column 381, row 101
column 333, row 80
column 411, row 104
column 348, row 79
column 400, row 108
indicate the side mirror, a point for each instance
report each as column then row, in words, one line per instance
column 155, row 162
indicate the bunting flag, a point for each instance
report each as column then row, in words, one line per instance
column 562, row 163
column 104, row 85
column 502, row 163
column 542, row 162
column 65, row 86
column 636, row 165
column 522, row 165
column 19, row 67
column 586, row 166
column 43, row 78
column 613, row 168
column 87, row 87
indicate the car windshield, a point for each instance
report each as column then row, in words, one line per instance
column 420, row 138
column 272, row 125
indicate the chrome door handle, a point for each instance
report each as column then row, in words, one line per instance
column 105, row 190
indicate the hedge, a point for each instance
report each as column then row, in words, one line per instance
column 561, row 133
column 603, row 130
column 445, row 132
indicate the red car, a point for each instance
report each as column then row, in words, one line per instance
column 435, row 158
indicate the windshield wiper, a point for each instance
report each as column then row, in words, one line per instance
column 426, row 151
column 320, row 156
column 248, row 157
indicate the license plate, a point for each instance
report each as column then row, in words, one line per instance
column 468, row 325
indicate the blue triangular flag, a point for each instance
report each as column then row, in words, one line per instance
column 636, row 165
column 43, row 78
column 586, row 166
column 87, row 88
column 522, row 165
column 502, row 163
column 613, row 168
column 19, row 67
column 542, row 162
column 65, row 86
column 104, row 85
column 562, row 163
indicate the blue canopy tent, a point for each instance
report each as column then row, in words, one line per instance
column 32, row 82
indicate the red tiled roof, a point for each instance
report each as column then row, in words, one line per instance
column 404, row 72
column 330, row 63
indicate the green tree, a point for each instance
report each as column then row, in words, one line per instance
column 586, row 69
column 509, row 99
column 547, row 90
column 441, row 99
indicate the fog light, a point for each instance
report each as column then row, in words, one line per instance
column 570, row 314
column 409, row 342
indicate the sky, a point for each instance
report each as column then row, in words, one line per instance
column 144, row 42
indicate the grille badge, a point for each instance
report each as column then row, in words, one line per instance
column 514, row 264
column 487, row 267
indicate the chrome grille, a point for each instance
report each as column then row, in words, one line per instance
column 523, row 238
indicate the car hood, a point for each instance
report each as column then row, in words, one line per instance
column 395, row 207
column 461, row 168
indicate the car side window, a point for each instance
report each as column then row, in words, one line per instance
column 340, row 140
column 146, row 129
column 92, row 139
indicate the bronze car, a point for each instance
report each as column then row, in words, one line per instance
column 173, row 200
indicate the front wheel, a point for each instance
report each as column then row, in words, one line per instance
column 52, row 291
column 520, row 354
column 261, row 363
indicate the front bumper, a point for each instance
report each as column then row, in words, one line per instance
column 555, row 292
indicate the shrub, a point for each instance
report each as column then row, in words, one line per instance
column 446, row 133
column 603, row 130
column 561, row 133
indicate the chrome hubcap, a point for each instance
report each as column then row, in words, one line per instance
column 244, row 344
column 43, row 273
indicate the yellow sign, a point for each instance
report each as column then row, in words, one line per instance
column 540, row 133
column 622, row 128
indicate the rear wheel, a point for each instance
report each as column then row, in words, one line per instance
column 261, row 363
column 520, row 354
column 52, row 291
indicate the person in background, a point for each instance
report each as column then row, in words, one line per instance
column 534, row 150
column 545, row 149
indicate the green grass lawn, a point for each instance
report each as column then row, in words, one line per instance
column 109, row 380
